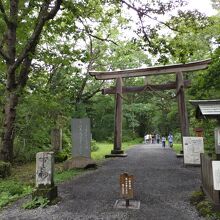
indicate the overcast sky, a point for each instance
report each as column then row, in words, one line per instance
column 204, row 6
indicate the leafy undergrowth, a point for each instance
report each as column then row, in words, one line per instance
column 204, row 206
column 11, row 190
column 22, row 182
column 36, row 202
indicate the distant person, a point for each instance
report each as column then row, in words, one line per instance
column 158, row 138
column 170, row 140
column 163, row 139
column 145, row 139
column 153, row 138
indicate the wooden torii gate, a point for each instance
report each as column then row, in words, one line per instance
column 179, row 85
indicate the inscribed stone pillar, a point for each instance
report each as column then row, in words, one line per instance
column 45, row 176
column 44, row 168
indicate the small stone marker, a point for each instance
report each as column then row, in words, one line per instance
column 216, row 174
column 127, row 193
column 193, row 147
column 45, row 176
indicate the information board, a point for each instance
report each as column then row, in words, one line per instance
column 127, row 186
column 192, row 147
column 216, row 174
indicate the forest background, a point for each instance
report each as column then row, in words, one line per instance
column 44, row 72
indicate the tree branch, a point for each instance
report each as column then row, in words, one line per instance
column 31, row 44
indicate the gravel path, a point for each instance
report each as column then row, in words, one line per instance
column 162, row 185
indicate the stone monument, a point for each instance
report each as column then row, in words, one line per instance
column 45, row 176
column 81, row 144
column 193, row 147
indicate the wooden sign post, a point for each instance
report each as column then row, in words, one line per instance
column 127, row 187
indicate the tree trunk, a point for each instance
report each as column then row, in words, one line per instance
column 6, row 153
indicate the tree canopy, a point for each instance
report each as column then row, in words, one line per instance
column 47, row 49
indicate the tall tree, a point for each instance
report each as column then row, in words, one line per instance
column 18, row 50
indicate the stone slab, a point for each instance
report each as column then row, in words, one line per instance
column 121, row 204
column 179, row 155
column 115, row 155
column 79, row 162
column 81, row 137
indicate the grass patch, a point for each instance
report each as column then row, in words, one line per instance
column 66, row 175
column 105, row 148
column 177, row 148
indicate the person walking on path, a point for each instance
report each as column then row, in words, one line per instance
column 163, row 139
column 170, row 140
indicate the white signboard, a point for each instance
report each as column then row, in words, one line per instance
column 192, row 147
column 216, row 174
column 217, row 140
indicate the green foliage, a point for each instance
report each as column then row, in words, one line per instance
column 94, row 146
column 36, row 202
column 197, row 197
column 205, row 208
column 12, row 190
column 5, row 169
column 61, row 156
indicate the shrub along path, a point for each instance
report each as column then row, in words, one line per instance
column 162, row 185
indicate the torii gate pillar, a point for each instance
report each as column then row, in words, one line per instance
column 184, row 123
column 117, row 151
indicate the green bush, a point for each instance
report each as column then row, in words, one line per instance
column 5, row 169
column 61, row 156
column 94, row 146
column 197, row 197
column 204, row 208
column 36, row 202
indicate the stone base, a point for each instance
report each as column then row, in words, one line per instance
column 79, row 162
column 179, row 155
column 121, row 204
column 115, row 155
column 191, row 165
column 49, row 192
